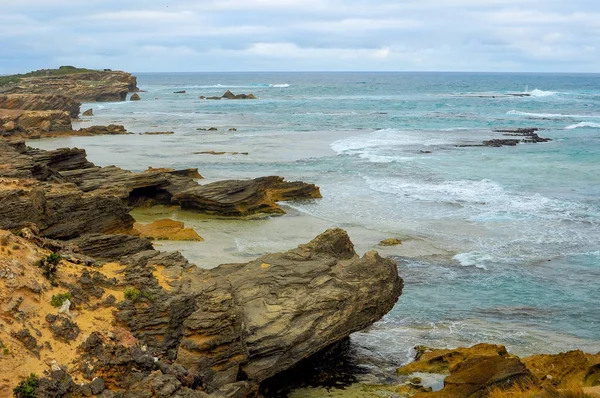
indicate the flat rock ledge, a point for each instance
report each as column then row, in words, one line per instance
column 238, row 198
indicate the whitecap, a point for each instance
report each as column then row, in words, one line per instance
column 473, row 259
column 541, row 93
column 583, row 124
column 549, row 115
column 284, row 85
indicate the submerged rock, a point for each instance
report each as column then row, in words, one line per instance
column 167, row 229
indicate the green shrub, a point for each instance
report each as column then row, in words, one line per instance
column 16, row 247
column 131, row 293
column 28, row 387
column 148, row 295
column 59, row 299
column 53, row 259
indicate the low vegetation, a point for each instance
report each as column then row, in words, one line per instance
column 63, row 70
column 59, row 299
column 28, row 387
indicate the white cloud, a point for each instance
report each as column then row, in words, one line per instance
column 178, row 35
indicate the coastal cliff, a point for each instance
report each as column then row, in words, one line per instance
column 83, row 85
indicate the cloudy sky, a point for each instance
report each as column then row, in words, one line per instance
column 295, row 35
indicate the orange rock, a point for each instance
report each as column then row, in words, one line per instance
column 567, row 369
column 167, row 229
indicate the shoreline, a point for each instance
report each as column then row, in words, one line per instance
column 247, row 240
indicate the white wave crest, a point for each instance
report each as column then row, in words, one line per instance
column 583, row 124
column 284, row 85
column 383, row 139
column 541, row 93
column 551, row 115
column 473, row 259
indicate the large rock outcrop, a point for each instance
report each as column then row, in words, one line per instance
column 88, row 86
column 33, row 123
column 257, row 319
column 40, row 102
column 244, row 197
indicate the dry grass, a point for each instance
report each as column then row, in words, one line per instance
column 537, row 392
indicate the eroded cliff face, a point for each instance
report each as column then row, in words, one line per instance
column 93, row 86
column 40, row 102
column 150, row 323
column 33, row 124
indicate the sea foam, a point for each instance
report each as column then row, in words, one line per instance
column 582, row 125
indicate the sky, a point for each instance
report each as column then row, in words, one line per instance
column 301, row 35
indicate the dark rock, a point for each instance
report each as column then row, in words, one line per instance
column 63, row 328
column 229, row 95
column 111, row 247
column 179, row 92
column 134, row 97
column 244, row 197
column 28, row 341
column 57, row 383
column 89, row 112
column 500, row 142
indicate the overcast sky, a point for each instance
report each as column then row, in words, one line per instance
column 298, row 35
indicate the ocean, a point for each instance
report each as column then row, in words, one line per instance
column 501, row 245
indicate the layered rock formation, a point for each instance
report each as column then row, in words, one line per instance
column 157, row 323
column 40, row 102
column 244, row 197
column 86, row 86
column 33, row 123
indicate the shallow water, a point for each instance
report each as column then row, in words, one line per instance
column 502, row 244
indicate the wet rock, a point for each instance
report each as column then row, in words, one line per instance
column 390, row 242
column 111, row 129
column 134, row 97
column 501, row 142
column 159, row 133
column 179, row 92
column 229, row 95
column 89, row 112
column 244, row 197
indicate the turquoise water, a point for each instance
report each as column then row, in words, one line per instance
column 516, row 230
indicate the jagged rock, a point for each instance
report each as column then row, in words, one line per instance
column 229, row 95
column 61, row 211
column 167, row 229
column 62, row 159
column 62, row 328
column 390, row 242
column 110, row 247
column 473, row 371
column 40, row 102
column 442, row 360
column 33, row 123
column 91, row 86
column 190, row 173
column 179, row 92
column 260, row 318
column 566, row 369
column 28, row 341
column 89, row 112
column 111, row 129
column 134, row 97
column 244, row 197
column 475, row 377
column 501, row 142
